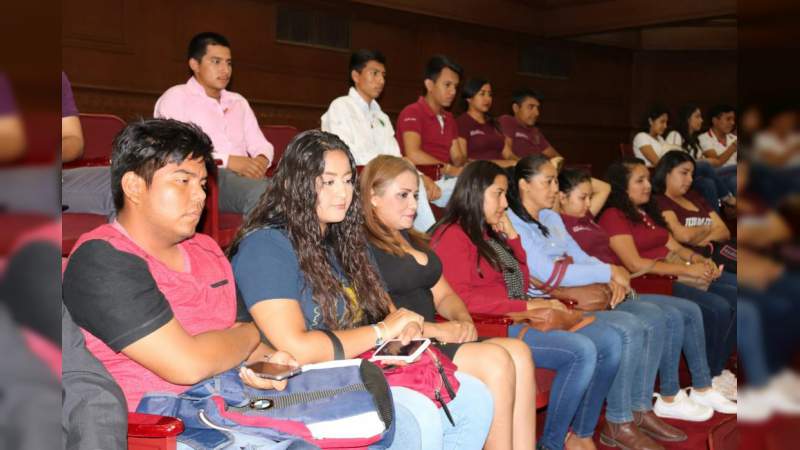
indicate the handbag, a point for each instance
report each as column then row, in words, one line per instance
column 432, row 374
column 548, row 319
column 721, row 253
column 590, row 297
column 337, row 404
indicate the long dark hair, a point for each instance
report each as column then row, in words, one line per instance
column 666, row 164
column 471, row 89
column 569, row 179
column 690, row 142
column 526, row 168
column 618, row 175
column 651, row 115
column 465, row 209
column 290, row 202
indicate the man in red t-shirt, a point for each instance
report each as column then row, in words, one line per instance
column 526, row 138
column 428, row 133
column 155, row 301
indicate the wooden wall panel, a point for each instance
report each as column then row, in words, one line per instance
column 125, row 53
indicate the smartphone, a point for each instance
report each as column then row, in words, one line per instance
column 272, row 371
column 394, row 350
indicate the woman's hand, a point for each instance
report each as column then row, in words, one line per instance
column 412, row 330
column 251, row 379
column 621, row 276
column 397, row 322
column 701, row 271
column 618, row 293
column 456, row 331
column 504, row 226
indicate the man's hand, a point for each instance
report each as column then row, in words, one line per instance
column 255, row 168
column 433, row 191
column 251, row 379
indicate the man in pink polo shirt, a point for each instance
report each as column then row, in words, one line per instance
column 526, row 138
column 157, row 302
column 428, row 133
column 226, row 117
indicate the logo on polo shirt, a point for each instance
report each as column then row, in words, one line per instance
column 410, row 119
column 476, row 133
column 579, row 228
column 697, row 221
column 521, row 135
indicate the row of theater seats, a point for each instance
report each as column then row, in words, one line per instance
column 146, row 432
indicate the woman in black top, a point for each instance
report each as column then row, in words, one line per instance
column 413, row 277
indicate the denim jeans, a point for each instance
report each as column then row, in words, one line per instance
column 728, row 176
column 718, row 306
column 425, row 218
column 710, row 184
column 641, row 328
column 750, row 338
column 472, row 411
column 684, row 323
column 585, row 363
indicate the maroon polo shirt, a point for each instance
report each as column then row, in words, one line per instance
column 524, row 140
column 590, row 236
column 689, row 218
column 484, row 141
column 436, row 139
column 650, row 238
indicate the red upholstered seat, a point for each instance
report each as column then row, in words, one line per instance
column 626, row 150
column 151, row 432
column 279, row 136
column 99, row 131
column 73, row 225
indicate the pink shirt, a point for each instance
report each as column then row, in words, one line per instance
column 229, row 122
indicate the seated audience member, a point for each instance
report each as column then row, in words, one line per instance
column 413, row 276
column 649, row 144
column 12, row 133
column 641, row 326
column 684, row 321
column 157, row 302
column 358, row 120
column 478, row 132
column 719, row 144
column 641, row 242
column 225, row 117
column 706, row 181
column 304, row 271
column 428, row 133
column 483, row 261
column 690, row 220
column 526, row 138
column 71, row 132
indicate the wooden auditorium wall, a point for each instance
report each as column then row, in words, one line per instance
column 122, row 54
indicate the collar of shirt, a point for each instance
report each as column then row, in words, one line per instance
column 367, row 108
column 196, row 88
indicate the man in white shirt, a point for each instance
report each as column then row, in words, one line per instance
column 359, row 121
column 719, row 145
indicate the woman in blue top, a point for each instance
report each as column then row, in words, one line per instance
column 629, row 419
column 303, row 270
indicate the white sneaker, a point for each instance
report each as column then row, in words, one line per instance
column 715, row 400
column 755, row 407
column 784, row 402
column 683, row 408
column 726, row 384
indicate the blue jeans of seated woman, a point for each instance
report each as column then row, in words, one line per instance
column 684, row 323
column 718, row 306
column 750, row 338
column 710, row 184
column 421, row 425
column 641, row 328
column 585, row 363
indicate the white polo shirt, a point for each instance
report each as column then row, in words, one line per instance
column 709, row 141
column 657, row 144
column 365, row 128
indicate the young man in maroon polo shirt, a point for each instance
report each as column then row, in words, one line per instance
column 428, row 133
column 526, row 138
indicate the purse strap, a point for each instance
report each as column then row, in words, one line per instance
column 556, row 276
column 338, row 349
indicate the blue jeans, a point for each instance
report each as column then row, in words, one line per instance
column 585, row 363
column 421, row 425
column 684, row 323
column 728, row 176
column 641, row 328
column 718, row 306
column 710, row 184
column 750, row 338
column 425, row 218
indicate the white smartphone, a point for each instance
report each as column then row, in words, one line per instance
column 394, row 350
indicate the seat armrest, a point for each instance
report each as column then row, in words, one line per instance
column 153, row 426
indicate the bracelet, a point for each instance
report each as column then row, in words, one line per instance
column 378, row 334
column 268, row 357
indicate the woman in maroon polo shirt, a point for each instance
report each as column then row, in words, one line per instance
column 689, row 218
column 478, row 132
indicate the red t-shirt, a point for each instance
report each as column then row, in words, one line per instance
column 650, row 238
column 689, row 219
column 436, row 138
column 484, row 141
column 484, row 291
column 524, row 140
column 117, row 293
column 590, row 236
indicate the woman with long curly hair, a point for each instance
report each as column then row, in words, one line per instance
column 303, row 270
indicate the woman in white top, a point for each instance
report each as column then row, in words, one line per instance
column 706, row 181
column 648, row 144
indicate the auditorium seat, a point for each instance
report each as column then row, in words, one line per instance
column 279, row 136
column 626, row 150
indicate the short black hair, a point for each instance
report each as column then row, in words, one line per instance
column 719, row 110
column 145, row 146
column 198, row 44
column 519, row 95
column 360, row 58
column 437, row 64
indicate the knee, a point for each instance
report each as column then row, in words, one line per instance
column 499, row 365
column 520, row 355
